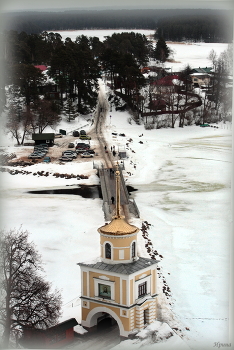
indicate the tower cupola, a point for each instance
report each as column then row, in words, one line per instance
column 118, row 239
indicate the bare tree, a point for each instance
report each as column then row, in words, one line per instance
column 26, row 299
column 18, row 123
column 222, row 68
column 45, row 114
column 172, row 100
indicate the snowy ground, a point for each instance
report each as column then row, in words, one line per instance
column 183, row 178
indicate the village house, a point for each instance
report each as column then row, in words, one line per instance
column 165, row 84
column 50, row 88
column 47, row 138
column 201, row 76
column 57, row 336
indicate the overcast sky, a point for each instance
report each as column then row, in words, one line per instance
column 11, row 5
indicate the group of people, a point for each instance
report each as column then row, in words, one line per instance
column 112, row 150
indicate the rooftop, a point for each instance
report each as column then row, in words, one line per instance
column 126, row 269
column 167, row 80
column 118, row 226
column 42, row 67
column 43, row 136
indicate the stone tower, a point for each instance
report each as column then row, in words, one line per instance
column 120, row 284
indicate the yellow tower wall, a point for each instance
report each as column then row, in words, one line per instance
column 121, row 246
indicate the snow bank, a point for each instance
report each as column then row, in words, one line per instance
column 157, row 335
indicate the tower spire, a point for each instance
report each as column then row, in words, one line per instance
column 117, row 176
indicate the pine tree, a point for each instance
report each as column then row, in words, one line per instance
column 162, row 51
column 70, row 110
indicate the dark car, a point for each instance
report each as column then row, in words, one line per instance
column 82, row 145
column 40, row 150
column 76, row 133
column 71, row 145
column 82, row 132
column 91, row 151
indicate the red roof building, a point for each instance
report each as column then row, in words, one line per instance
column 42, row 67
column 54, row 337
column 166, row 81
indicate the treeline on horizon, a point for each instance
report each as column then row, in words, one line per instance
column 195, row 28
column 177, row 25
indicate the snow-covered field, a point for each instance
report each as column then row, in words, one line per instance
column 183, row 178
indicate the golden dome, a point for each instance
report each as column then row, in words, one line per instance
column 118, row 226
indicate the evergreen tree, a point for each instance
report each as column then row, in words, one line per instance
column 27, row 78
column 162, row 51
column 70, row 110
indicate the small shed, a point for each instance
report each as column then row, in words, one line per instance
column 50, row 338
column 47, row 138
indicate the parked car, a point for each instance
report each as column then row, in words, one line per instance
column 71, row 145
column 204, row 125
column 82, row 145
column 82, row 132
column 65, row 159
column 76, row 133
column 35, row 156
column 58, row 136
column 70, row 154
column 85, row 137
column 86, row 155
column 47, row 159
column 81, row 150
column 40, row 150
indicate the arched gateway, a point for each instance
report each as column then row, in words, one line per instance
column 120, row 283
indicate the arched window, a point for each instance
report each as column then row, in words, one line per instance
column 133, row 249
column 107, row 251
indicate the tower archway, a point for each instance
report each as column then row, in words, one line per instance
column 96, row 314
column 105, row 321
